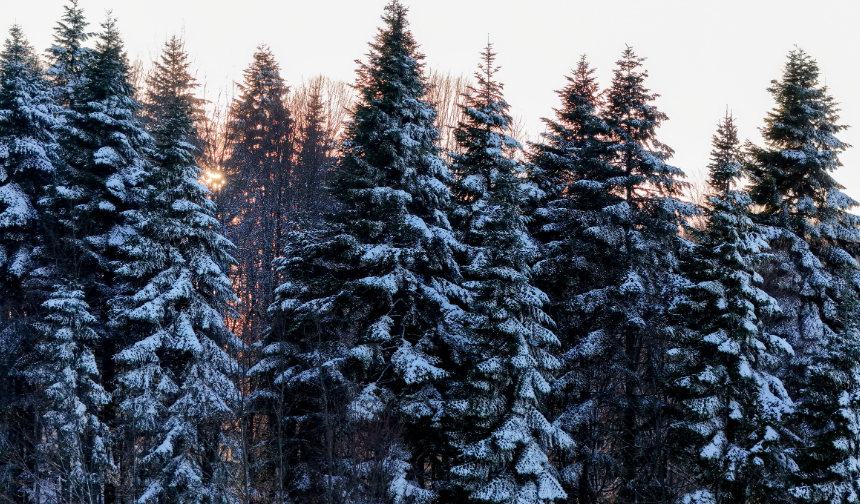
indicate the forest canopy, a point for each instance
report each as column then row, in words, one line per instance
column 383, row 291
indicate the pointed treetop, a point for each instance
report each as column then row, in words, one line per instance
column 109, row 74
column 263, row 76
column 17, row 51
column 171, row 75
column 170, row 80
column 395, row 15
column 68, row 54
column 792, row 174
column 393, row 61
column 488, row 88
column 724, row 168
column 581, row 94
column 629, row 101
column 171, row 105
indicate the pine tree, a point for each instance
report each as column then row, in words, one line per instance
column 170, row 80
column 68, row 55
column 255, row 199
column 176, row 383
column 621, row 240
column 105, row 152
column 361, row 323
column 28, row 151
column 76, row 445
column 104, row 149
column 28, row 159
column 575, row 149
column 813, row 237
column 496, row 405
column 730, row 436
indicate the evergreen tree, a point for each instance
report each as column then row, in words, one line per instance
column 105, row 152
column 730, row 435
column 69, row 56
column 29, row 155
column 622, row 239
column 814, row 238
column 648, row 214
column 168, row 81
column 104, row 149
column 176, row 382
column 495, row 404
column 362, row 322
column 76, row 445
column 255, row 199
column 28, row 159
column 575, row 149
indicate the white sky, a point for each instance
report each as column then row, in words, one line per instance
column 702, row 55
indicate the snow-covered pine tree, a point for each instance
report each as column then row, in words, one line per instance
column 731, row 406
column 254, row 201
column 104, row 151
column 623, row 234
column 28, row 158
column 176, row 380
column 575, row 148
column 641, row 228
column 495, row 405
column 362, row 321
column 28, row 153
column 75, row 447
column 69, row 57
column 814, row 277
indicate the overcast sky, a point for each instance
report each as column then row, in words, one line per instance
column 703, row 56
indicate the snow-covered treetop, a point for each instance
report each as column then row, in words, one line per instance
column 108, row 75
column 482, row 165
column 69, row 57
column 724, row 169
column 633, row 121
column 792, row 173
column 18, row 56
column 26, row 113
column 391, row 159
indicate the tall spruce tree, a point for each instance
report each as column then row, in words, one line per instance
column 176, row 381
column 575, row 148
column 69, row 56
column 104, row 152
column 28, row 160
column 730, row 435
column 622, row 241
column 76, row 443
column 647, row 213
column 814, row 238
column 361, row 324
column 28, row 150
column 499, row 429
column 255, row 200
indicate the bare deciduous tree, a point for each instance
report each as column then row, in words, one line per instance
column 447, row 93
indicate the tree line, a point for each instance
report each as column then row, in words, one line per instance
column 390, row 297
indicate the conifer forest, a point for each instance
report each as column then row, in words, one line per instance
column 378, row 292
